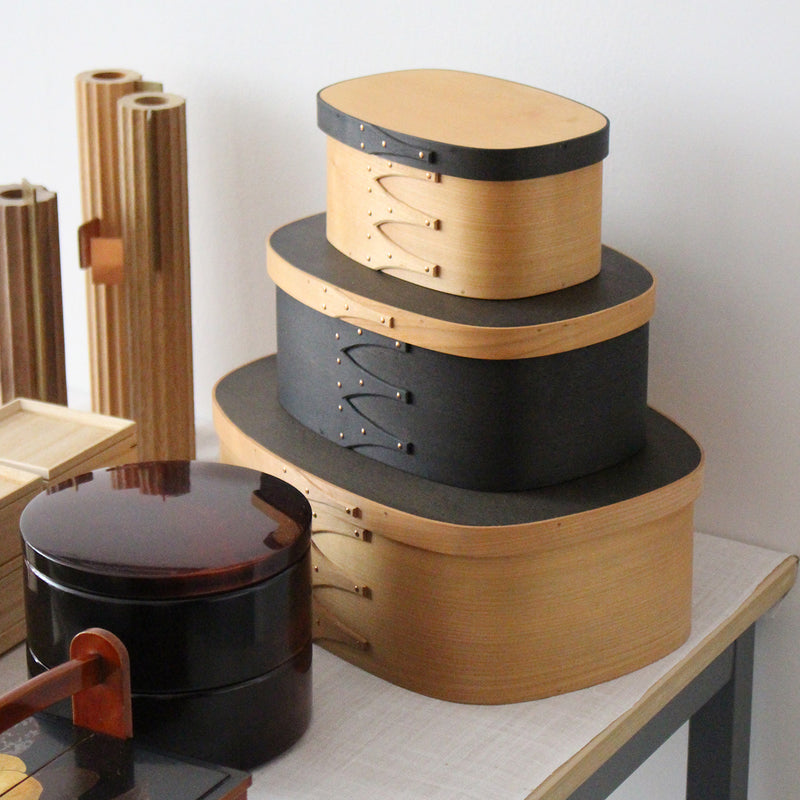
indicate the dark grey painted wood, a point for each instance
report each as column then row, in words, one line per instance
column 249, row 398
column 717, row 706
column 484, row 424
column 719, row 734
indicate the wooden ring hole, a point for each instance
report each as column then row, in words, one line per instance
column 108, row 76
column 151, row 100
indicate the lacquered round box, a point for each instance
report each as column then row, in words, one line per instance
column 202, row 570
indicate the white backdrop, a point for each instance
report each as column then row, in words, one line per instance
column 702, row 185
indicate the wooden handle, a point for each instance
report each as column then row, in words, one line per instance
column 97, row 677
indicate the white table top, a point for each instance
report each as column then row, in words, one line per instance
column 369, row 738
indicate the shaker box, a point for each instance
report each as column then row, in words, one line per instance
column 480, row 394
column 482, row 597
column 464, row 183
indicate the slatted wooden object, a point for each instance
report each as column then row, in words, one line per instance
column 100, row 236
column 31, row 318
column 155, row 237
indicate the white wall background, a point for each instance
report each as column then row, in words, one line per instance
column 702, row 185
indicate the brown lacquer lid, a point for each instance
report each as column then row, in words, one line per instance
column 166, row 529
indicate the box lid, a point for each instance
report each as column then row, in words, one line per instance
column 663, row 477
column 306, row 266
column 16, row 484
column 166, row 529
column 51, row 440
column 463, row 124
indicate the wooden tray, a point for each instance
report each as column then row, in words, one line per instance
column 56, row 442
column 53, row 754
column 42, row 444
column 464, row 183
column 482, row 597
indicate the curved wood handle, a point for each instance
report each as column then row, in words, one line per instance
column 97, row 677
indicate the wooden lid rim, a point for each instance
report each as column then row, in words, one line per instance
column 306, row 266
column 462, row 161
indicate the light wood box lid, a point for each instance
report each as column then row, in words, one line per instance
column 51, row 441
column 464, row 124
column 16, row 484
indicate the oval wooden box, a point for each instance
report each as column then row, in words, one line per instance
column 495, row 396
column 482, row 597
column 464, row 183
column 202, row 570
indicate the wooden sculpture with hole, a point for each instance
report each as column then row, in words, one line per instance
column 134, row 244
column 31, row 317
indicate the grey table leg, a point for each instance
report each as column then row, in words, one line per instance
column 717, row 705
column 719, row 733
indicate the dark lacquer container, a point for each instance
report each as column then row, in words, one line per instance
column 202, row 570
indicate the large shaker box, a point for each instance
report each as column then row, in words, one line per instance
column 483, row 597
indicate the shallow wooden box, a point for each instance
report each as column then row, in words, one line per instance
column 42, row 444
column 464, row 183
column 202, row 571
column 481, row 394
column 12, row 604
column 474, row 596
column 57, row 443
column 17, row 489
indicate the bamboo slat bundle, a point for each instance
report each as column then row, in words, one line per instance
column 31, row 318
column 155, row 240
